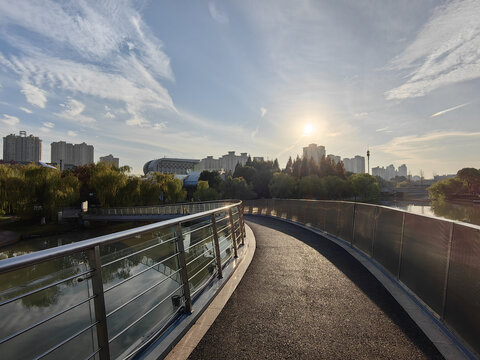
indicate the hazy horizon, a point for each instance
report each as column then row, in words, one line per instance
column 145, row 79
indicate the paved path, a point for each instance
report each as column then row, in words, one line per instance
column 305, row 298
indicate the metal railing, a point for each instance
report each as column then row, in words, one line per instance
column 108, row 297
column 170, row 209
column 438, row 260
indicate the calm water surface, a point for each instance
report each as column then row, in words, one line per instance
column 469, row 213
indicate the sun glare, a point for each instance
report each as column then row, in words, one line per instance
column 308, row 129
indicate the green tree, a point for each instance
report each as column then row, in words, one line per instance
column 107, row 182
column 471, row 177
column 204, row 192
column 311, row 187
column 283, row 186
column 447, row 189
column 365, row 186
column 247, row 172
column 213, row 177
column 260, row 183
column 236, row 188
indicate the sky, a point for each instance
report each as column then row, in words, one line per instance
column 149, row 79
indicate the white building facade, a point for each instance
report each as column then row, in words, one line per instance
column 22, row 148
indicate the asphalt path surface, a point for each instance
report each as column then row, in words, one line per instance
column 304, row 297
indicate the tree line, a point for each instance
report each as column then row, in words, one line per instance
column 301, row 178
column 465, row 185
column 31, row 190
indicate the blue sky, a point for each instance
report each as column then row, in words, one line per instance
column 148, row 79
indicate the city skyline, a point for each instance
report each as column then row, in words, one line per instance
column 145, row 80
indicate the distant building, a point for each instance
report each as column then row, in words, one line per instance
column 315, row 152
column 390, row 172
column 170, row 166
column 258, row 158
column 402, row 170
column 336, row 159
column 68, row 155
column 109, row 159
column 22, row 148
column 443, row 177
column 227, row 162
column 355, row 165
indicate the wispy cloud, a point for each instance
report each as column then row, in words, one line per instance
column 412, row 146
column 159, row 126
column 445, row 51
column 74, row 111
column 102, row 49
column 71, row 133
column 449, row 109
column 216, row 14
column 28, row 111
column 10, row 120
column 49, row 125
column 263, row 111
column 384, row 129
column 34, row 95
column 109, row 115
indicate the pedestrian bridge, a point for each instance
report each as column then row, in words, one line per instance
column 328, row 280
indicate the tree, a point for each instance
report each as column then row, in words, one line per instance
column 288, row 167
column 447, row 188
column 174, row 190
column 336, row 187
column 471, row 177
column 107, row 182
column 260, row 183
column 311, row 187
column 205, row 193
column 282, row 186
column 236, row 188
column 247, row 172
column 365, row 186
column 213, row 177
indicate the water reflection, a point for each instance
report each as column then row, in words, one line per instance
column 466, row 212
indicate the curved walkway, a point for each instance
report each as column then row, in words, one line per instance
column 304, row 297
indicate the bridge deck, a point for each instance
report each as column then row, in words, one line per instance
column 303, row 297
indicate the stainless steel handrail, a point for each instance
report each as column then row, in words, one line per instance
column 91, row 249
column 64, row 250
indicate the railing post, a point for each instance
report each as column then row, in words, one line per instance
column 241, row 223
column 183, row 272
column 447, row 270
column 353, row 221
column 99, row 303
column 401, row 247
column 234, row 237
column 217, row 247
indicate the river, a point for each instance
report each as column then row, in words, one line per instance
column 465, row 212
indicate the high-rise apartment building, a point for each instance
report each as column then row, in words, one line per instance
column 402, row 170
column 389, row 172
column 336, row 159
column 355, row 165
column 109, row 159
column 315, row 152
column 22, row 148
column 68, row 155
column 227, row 162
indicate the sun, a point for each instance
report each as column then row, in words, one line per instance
column 308, row 129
